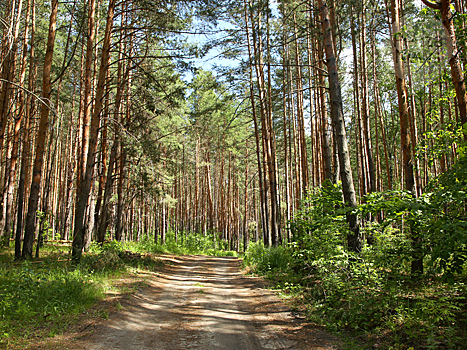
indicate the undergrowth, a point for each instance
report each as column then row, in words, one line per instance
column 370, row 297
column 190, row 244
column 355, row 298
column 43, row 296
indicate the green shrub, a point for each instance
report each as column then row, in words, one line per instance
column 191, row 243
column 373, row 292
column 264, row 260
column 104, row 261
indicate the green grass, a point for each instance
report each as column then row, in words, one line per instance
column 192, row 244
column 34, row 295
column 42, row 297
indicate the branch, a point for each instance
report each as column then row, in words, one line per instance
column 40, row 99
column 433, row 5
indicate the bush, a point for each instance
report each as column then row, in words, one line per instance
column 104, row 261
column 373, row 292
column 264, row 260
column 192, row 243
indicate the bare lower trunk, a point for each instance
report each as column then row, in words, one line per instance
column 407, row 161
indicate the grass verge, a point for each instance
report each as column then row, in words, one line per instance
column 44, row 297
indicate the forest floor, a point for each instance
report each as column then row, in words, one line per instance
column 194, row 302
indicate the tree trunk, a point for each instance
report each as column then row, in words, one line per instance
column 87, row 104
column 365, row 107
column 85, row 185
column 353, row 238
column 407, row 162
column 27, row 139
column 453, row 54
column 17, row 131
column 30, row 224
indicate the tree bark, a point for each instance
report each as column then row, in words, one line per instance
column 353, row 238
column 30, row 224
column 444, row 6
column 407, row 161
column 27, row 138
column 85, row 185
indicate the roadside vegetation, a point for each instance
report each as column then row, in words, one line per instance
column 373, row 298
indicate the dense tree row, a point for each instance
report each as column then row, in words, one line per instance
column 102, row 138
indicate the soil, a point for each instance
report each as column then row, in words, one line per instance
column 197, row 302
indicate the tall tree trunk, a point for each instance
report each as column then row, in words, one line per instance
column 365, row 106
column 325, row 132
column 337, row 114
column 300, row 114
column 285, row 63
column 8, row 67
column 246, row 238
column 27, row 138
column 378, row 113
column 444, row 6
column 85, row 185
column 87, row 104
column 17, row 130
column 6, row 108
column 407, row 161
column 262, row 184
column 30, row 224
column 361, row 169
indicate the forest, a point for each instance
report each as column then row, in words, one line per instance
column 322, row 141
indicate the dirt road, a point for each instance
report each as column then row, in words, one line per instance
column 199, row 302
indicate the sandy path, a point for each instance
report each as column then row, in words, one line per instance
column 200, row 302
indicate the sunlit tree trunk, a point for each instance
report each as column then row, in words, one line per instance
column 379, row 112
column 30, row 224
column 365, row 107
column 361, row 169
column 325, row 130
column 262, row 189
column 246, row 238
column 85, row 185
column 88, row 73
column 285, row 62
column 444, row 6
column 30, row 102
column 300, row 114
column 8, row 68
column 9, row 205
column 407, row 161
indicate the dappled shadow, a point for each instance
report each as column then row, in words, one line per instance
column 198, row 302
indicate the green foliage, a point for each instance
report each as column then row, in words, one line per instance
column 47, row 294
column 373, row 292
column 116, row 256
column 267, row 260
column 194, row 243
column 32, row 295
column 320, row 222
column 105, row 261
column 437, row 217
column 438, row 142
